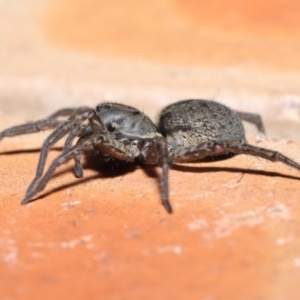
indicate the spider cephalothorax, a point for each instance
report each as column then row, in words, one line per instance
column 186, row 131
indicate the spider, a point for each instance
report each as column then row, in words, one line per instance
column 186, row 131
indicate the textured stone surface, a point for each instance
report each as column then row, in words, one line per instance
column 235, row 231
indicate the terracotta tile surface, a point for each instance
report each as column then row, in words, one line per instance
column 235, row 231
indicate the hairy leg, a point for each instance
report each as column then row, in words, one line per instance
column 37, row 187
column 101, row 141
column 67, row 112
column 188, row 154
column 44, row 124
column 157, row 153
column 80, row 131
column 253, row 119
column 38, row 126
column 54, row 137
column 205, row 150
column 264, row 153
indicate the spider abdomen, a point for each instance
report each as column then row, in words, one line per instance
column 192, row 122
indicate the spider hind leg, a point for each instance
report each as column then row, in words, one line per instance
column 270, row 155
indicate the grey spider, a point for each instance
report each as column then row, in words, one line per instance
column 186, row 131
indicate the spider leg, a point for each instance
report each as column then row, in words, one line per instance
column 102, row 141
column 78, row 167
column 40, row 125
column 158, row 154
column 66, row 112
column 61, row 159
column 262, row 152
column 80, row 131
column 182, row 154
column 188, row 154
column 165, row 178
column 96, row 126
column 53, row 138
column 253, row 119
column 77, row 132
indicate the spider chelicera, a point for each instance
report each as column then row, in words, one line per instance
column 186, row 131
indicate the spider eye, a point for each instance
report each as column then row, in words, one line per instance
column 110, row 128
column 105, row 106
column 136, row 113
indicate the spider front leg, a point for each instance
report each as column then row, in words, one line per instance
column 67, row 112
column 54, row 137
column 102, row 141
column 38, row 126
column 42, row 125
column 116, row 149
column 81, row 131
column 61, row 159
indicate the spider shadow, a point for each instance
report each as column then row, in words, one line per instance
column 104, row 168
column 187, row 167
column 113, row 168
column 109, row 168
column 202, row 169
column 33, row 150
column 153, row 173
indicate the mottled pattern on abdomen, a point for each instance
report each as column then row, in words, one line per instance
column 191, row 122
